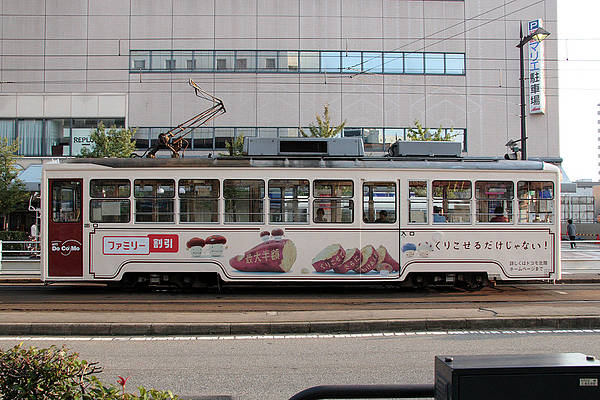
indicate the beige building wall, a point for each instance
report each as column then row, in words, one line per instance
column 57, row 53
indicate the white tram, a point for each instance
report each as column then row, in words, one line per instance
column 305, row 219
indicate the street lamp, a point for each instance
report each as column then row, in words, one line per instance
column 538, row 35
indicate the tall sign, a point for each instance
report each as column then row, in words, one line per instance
column 537, row 81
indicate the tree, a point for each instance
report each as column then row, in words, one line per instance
column 114, row 142
column 12, row 190
column 235, row 147
column 323, row 128
column 419, row 133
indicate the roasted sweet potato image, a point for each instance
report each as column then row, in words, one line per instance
column 370, row 259
column 329, row 258
column 271, row 256
column 386, row 262
column 351, row 261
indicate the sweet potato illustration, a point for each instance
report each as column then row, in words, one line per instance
column 271, row 256
column 329, row 258
column 370, row 259
column 386, row 262
column 351, row 261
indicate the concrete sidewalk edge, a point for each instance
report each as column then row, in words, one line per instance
column 276, row 328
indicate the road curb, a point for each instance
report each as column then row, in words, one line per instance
column 312, row 327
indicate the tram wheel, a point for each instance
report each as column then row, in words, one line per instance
column 473, row 283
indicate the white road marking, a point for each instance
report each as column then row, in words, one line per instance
column 559, row 292
column 306, row 336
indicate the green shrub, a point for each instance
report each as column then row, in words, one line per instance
column 54, row 373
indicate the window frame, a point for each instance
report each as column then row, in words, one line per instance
column 317, row 199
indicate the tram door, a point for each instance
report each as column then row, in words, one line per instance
column 65, row 228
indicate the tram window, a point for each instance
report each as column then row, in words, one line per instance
column 379, row 202
column 244, row 200
column 109, row 188
column 154, row 200
column 536, row 202
column 494, row 201
column 451, row 201
column 109, row 210
column 199, row 200
column 66, row 201
column 288, row 200
column 333, row 202
column 418, row 202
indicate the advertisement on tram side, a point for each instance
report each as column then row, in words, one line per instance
column 523, row 253
column 258, row 253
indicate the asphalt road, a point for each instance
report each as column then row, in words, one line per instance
column 267, row 367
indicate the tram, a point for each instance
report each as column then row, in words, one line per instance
column 188, row 222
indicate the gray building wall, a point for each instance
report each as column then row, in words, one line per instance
column 70, row 59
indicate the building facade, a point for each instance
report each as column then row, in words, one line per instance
column 380, row 65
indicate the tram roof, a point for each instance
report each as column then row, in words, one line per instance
column 314, row 162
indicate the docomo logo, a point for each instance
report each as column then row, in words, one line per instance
column 65, row 248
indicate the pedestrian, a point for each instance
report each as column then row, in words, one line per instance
column 438, row 215
column 571, row 232
column 382, row 216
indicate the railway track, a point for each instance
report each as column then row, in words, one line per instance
column 94, row 298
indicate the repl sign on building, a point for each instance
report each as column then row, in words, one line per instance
column 537, row 82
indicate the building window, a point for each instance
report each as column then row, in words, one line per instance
column 267, row 61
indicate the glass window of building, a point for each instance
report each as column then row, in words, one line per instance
column 434, row 63
column 393, row 63
column 413, row 63
column 198, row 200
column 159, row 59
column 202, row 138
column 373, row 139
column 451, row 201
column 267, row 132
column 494, row 201
column 333, row 201
column 330, row 61
column 352, row 61
column 309, row 61
column 244, row 200
column 418, row 202
column 267, row 61
column 373, row 63
column 536, row 204
column 245, row 60
column 184, row 60
column 455, row 64
column 140, row 60
column 379, row 202
column 288, row 61
column 288, row 200
column 203, row 60
column 154, row 200
column 223, row 135
column 224, row 60
column 392, row 136
column 110, row 200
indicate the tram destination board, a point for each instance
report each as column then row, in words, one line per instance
column 534, row 376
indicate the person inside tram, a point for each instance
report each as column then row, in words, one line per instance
column 438, row 215
column 320, row 217
column 382, row 218
column 499, row 215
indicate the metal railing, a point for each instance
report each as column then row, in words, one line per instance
column 19, row 249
